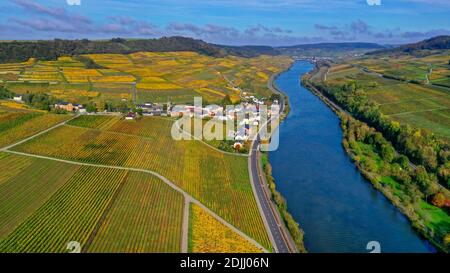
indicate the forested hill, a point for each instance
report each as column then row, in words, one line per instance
column 329, row 49
column 15, row 51
column 435, row 43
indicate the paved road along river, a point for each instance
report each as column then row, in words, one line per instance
column 337, row 208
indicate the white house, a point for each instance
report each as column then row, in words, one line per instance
column 17, row 98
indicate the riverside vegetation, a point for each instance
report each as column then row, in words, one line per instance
column 414, row 189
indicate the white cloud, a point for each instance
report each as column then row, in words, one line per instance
column 374, row 2
column 73, row 2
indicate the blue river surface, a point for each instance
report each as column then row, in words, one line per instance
column 337, row 208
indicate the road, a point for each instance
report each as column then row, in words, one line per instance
column 280, row 237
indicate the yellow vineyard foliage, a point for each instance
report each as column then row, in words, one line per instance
column 157, row 86
column 211, row 236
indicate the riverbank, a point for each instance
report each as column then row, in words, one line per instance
column 423, row 217
column 325, row 192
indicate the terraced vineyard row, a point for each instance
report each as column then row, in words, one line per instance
column 219, row 181
column 146, row 217
column 25, row 185
column 157, row 77
column 69, row 215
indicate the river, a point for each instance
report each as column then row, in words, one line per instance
column 336, row 207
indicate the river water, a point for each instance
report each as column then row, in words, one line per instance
column 336, row 207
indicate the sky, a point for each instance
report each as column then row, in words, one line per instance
column 231, row 22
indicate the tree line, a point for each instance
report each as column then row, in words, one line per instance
column 405, row 186
column 19, row 51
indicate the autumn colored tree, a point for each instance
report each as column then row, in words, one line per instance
column 439, row 200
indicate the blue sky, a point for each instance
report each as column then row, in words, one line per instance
column 233, row 22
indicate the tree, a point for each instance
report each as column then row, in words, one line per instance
column 428, row 157
column 387, row 152
column 109, row 106
column 439, row 200
column 91, row 108
column 5, row 93
column 403, row 161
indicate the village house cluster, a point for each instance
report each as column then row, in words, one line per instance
column 247, row 117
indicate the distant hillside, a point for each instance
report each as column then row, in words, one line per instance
column 329, row 49
column 435, row 43
column 16, row 51
column 250, row 51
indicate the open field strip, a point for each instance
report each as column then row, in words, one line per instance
column 207, row 235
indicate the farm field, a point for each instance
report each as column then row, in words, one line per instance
column 208, row 235
column 145, row 217
column 412, row 68
column 419, row 105
column 17, row 123
column 218, row 180
column 25, row 185
column 69, row 215
column 143, row 76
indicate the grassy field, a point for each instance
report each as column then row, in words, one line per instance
column 219, row 181
column 149, row 76
column 208, row 235
column 17, row 123
column 420, row 105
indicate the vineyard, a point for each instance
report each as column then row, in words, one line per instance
column 16, row 124
column 25, row 185
column 146, row 217
column 157, row 77
column 218, row 180
column 420, row 105
column 208, row 235
column 70, row 214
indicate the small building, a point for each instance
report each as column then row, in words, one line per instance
column 17, row 98
column 67, row 106
column 79, row 108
